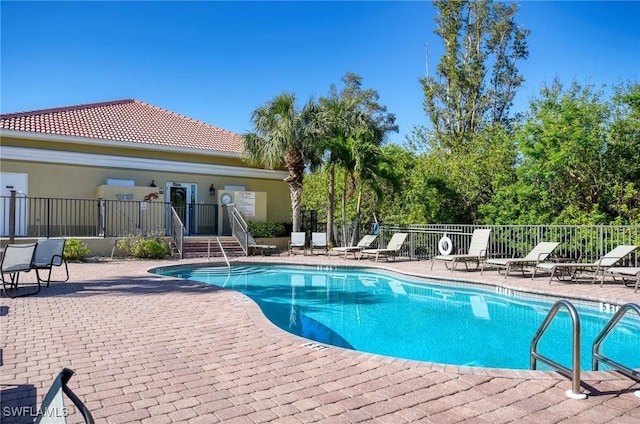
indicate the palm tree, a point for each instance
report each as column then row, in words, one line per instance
column 333, row 119
column 283, row 137
column 353, row 126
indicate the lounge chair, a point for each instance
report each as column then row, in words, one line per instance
column 298, row 241
column 476, row 253
column 319, row 241
column 262, row 248
column 625, row 273
column 537, row 255
column 53, row 410
column 391, row 251
column 50, row 253
column 570, row 271
column 17, row 258
column 364, row 243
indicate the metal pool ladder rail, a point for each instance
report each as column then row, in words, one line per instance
column 574, row 372
column 599, row 357
column 224, row 254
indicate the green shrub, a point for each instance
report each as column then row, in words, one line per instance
column 75, row 250
column 149, row 246
column 267, row 229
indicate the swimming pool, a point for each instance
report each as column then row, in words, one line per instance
column 393, row 315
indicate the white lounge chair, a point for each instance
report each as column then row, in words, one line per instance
column 570, row 271
column 476, row 253
column 298, row 241
column 319, row 241
column 364, row 243
column 624, row 273
column 391, row 251
column 538, row 254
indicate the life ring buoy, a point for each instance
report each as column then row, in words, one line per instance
column 445, row 246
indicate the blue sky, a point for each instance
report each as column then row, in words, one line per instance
column 218, row 61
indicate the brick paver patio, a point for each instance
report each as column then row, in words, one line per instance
column 148, row 349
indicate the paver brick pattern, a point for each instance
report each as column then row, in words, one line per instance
column 148, row 349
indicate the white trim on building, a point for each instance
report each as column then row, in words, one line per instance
column 90, row 159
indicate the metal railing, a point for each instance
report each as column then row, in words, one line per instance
column 597, row 356
column 224, row 254
column 45, row 217
column 37, row 217
column 239, row 227
column 177, row 232
column 574, row 372
column 199, row 219
column 586, row 243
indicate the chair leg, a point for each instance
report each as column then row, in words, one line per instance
column 14, row 280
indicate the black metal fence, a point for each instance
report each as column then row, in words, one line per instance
column 40, row 217
column 44, row 217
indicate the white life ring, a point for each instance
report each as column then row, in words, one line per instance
column 445, row 246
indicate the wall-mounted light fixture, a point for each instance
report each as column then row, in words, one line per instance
column 161, row 190
column 212, row 190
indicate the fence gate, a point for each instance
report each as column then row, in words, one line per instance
column 309, row 222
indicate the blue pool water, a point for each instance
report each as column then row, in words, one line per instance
column 391, row 315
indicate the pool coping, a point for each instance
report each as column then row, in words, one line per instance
column 255, row 314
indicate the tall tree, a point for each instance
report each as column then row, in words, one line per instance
column 353, row 126
column 476, row 78
column 283, row 137
column 569, row 161
column 622, row 158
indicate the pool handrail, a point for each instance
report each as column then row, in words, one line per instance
column 599, row 357
column 574, row 372
column 224, row 254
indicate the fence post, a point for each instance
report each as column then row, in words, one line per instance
column 12, row 217
column 49, row 217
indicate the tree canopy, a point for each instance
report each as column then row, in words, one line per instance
column 572, row 157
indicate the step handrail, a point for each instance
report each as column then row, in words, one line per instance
column 597, row 357
column 224, row 254
column 239, row 227
column 574, row 372
column 177, row 232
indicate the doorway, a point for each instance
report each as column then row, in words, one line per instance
column 182, row 197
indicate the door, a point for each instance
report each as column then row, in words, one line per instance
column 178, row 198
column 18, row 183
column 182, row 197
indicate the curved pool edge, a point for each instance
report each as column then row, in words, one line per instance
column 257, row 317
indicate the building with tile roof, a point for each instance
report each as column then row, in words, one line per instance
column 95, row 150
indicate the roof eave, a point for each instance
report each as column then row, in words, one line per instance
column 110, row 143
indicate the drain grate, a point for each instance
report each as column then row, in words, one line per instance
column 315, row 346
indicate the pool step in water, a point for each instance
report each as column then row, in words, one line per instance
column 233, row 271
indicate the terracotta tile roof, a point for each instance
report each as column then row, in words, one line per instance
column 127, row 121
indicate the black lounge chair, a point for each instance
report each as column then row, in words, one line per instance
column 17, row 258
column 50, row 253
column 53, row 410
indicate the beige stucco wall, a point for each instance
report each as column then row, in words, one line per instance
column 82, row 182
